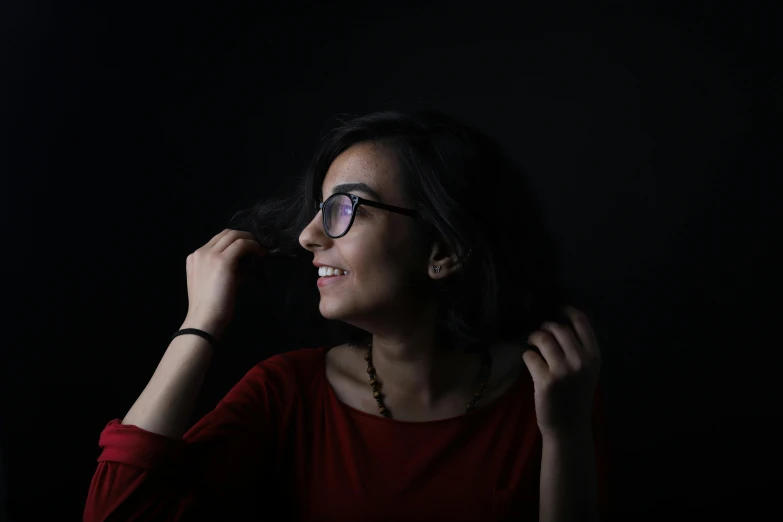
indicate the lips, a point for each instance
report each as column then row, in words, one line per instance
column 329, row 280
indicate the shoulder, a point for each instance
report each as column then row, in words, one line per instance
column 294, row 363
column 301, row 357
column 280, row 377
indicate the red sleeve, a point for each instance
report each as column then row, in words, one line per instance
column 146, row 476
column 602, row 452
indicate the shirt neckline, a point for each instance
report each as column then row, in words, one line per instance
column 477, row 413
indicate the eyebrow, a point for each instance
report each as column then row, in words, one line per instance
column 358, row 187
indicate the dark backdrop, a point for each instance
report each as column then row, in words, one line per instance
column 131, row 135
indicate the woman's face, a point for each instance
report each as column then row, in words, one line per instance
column 386, row 273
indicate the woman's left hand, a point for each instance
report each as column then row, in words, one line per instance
column 565, row 375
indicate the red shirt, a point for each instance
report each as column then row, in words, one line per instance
column 280, row 446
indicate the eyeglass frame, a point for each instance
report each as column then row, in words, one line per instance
column 356, row 202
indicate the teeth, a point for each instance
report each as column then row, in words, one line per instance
column 328, row 271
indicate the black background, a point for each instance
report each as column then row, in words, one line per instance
column 131, row 135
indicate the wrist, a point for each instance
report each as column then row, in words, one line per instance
column 214, row 328
column 575, row 436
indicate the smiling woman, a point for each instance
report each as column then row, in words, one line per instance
column 424, row 401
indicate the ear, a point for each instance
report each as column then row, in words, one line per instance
column 443, row 255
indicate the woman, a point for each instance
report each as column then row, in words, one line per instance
column 461, row 384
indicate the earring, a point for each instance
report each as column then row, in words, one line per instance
column 436, row 268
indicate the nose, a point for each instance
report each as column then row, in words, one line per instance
column 313, row 235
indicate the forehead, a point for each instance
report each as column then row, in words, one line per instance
column 369, row 163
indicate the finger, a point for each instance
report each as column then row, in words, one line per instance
column 535, row 364
column 584, row 330
column 566, row 338
column 550, row 350
column 217, row 237
column 229, row 238
column 240, row 247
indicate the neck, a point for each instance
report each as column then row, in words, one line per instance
column 419, row 371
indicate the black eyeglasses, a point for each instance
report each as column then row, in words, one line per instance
column 339, row 210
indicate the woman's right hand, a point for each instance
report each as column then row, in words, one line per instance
column 214, row 274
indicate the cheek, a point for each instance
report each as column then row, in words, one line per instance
column 376, row 270
column 398, row 275
column 385, row 255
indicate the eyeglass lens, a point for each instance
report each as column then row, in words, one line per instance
column 338, row 214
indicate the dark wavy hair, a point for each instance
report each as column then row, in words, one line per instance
column 466, row 189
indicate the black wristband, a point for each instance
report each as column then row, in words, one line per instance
column 201, row 333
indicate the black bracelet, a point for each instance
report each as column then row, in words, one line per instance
column 195, row 331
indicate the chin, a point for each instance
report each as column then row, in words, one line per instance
column 330, row 311
column 326, row 313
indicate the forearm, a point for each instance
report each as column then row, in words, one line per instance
column 569, row 490
column 167, row 401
